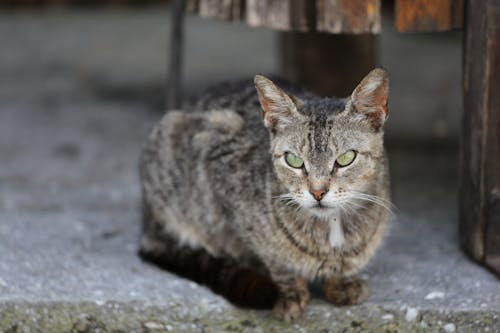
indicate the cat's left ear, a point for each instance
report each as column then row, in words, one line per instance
column 279, row 109
column 370, row 97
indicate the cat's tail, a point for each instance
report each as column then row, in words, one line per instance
column 241, row 286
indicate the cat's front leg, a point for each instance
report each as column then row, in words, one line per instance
column 292, row 298
column 345, row 290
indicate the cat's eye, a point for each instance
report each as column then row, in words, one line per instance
column 293, row 160
column 346, row 158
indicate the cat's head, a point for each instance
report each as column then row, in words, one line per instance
column 327, row 151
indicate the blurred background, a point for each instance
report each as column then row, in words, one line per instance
column 117, row 51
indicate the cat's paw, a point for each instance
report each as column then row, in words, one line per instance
column 291, row 303
column 346, row 291
column 287, row 309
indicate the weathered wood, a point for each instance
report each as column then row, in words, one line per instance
column 229, row 10
column 428, row 15
column 334, row 16
column 348, row 16
column 287, row 15
column 329, row 65
column 480, row 142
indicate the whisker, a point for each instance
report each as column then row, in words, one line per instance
column 289, row 200
column 373, row 197
column 384, row 203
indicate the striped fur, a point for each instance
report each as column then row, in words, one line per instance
column 223, row 208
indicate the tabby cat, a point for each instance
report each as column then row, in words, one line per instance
column 256, row 193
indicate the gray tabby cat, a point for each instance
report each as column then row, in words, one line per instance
column 256, row 201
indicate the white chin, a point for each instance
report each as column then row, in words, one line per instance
column 322, row 211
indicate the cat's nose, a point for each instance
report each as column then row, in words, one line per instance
column 318, row 194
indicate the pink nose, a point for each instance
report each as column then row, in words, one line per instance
column 318, row 194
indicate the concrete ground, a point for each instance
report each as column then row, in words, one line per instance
column 78, row 94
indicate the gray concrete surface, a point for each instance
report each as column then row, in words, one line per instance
column 73, row 116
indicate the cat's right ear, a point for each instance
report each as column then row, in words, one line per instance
column 369, row 99
column 278, row 108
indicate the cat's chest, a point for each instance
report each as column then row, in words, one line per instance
column 311, row 237
column 336, row 238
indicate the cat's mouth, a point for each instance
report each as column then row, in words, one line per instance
column 320, row 207
column 322, row 211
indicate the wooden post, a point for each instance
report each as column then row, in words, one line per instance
column 174, row 81
column 480, row 141
column 329, row 65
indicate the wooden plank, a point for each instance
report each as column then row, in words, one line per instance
column 429, row 15
column 319, row 62
column 229, row 10
column 348, row 16
column 480, row 142
column 286, row 15
column 334, row 16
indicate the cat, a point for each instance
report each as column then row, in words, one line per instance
column 255, row 193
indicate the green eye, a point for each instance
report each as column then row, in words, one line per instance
column 346, row 158
column 294, row 161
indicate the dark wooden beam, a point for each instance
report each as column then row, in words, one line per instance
column 480, row 141
column 327, row 64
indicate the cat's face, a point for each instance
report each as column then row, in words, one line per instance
column 326, row 151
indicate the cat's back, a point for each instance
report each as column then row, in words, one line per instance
column 239, row 96
column 181, row 139
column 195, row 160
column 224, row 119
